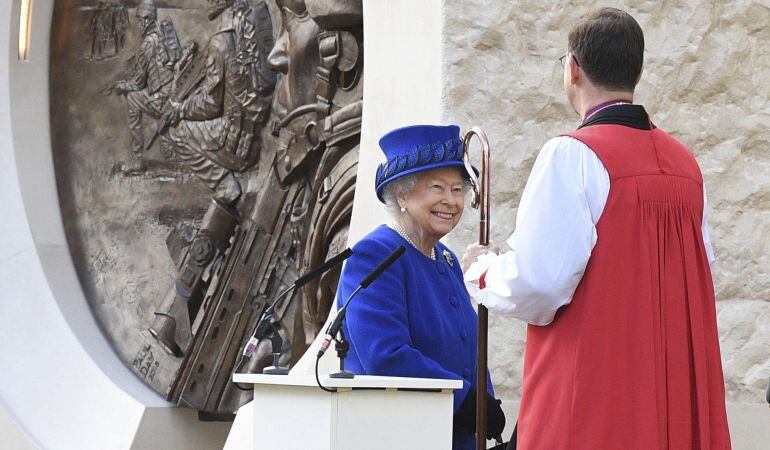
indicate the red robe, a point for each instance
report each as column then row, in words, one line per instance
column 633, row 362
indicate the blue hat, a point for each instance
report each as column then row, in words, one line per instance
column 417, row 148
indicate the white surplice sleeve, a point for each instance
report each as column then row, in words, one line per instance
column 554, row 236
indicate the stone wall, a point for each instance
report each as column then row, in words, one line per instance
column 705, row 81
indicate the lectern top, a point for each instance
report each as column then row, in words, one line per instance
column 359, row 382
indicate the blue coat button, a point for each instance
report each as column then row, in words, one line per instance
column 467, row 373
column 440, row 267
column 464, row 334
column 453, row 301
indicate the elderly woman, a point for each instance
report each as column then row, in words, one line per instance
column 416, row 319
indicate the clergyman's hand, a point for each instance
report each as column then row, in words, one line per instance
column 474, row 250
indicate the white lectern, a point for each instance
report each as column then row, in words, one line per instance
column 366, row 413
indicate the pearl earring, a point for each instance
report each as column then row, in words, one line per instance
column 403, row 209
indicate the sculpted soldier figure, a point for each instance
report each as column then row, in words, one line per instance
column 94, row 32
column 292, row 216
column 148, row 84
column 214, row 128
column 214, row 116
column 120, row 23
column 100, row 29
column 317, row 132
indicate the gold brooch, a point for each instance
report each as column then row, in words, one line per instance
column 449, row 259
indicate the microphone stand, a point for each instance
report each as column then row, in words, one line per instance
column 269, row 330
column 335, row 333
column 342, row 347
column 266, row 328
column 276, row 342
column 266, row 325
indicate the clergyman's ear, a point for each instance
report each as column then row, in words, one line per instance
column 574, row 70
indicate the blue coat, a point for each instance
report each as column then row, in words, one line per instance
column 415, row 320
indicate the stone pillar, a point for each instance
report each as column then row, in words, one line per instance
column 402, row 86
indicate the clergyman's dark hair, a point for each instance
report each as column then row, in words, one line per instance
column 608, row 44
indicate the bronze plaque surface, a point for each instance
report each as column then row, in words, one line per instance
column 206, row 155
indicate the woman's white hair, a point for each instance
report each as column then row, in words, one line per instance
column 399, row 186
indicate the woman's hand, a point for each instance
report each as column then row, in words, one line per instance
column 474, row 250
column 465, row 416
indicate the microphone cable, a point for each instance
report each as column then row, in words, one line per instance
column 318, row 380
column 237, row 369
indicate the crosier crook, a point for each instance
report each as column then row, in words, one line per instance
column 480, row 201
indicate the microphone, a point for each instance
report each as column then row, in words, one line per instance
column 259, row 332
column 381, row 268
column 305, row 279
column 266, row 317
column 335, row 326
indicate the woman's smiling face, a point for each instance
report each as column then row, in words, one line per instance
column 436, row 203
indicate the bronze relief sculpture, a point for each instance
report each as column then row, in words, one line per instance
column 108, row 26
column 240, row 154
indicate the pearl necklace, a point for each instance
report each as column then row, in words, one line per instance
column 403, row 234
